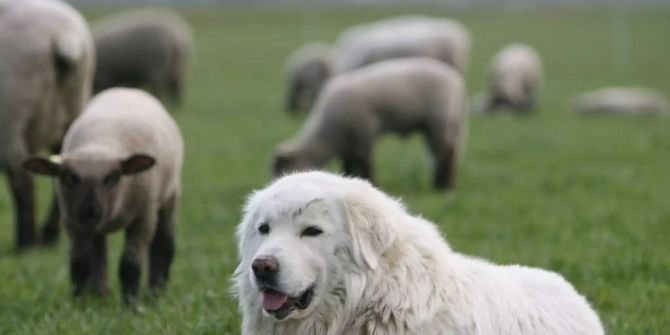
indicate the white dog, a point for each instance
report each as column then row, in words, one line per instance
column 327, row 255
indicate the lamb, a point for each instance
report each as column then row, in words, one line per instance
column 396, row 96
column 46, row 71
column 406, row 36
column 621, row 100
column 307, row 70
column 148, row 49
column 516, row 77
column 119, row 169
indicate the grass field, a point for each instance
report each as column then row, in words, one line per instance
column 586, row 197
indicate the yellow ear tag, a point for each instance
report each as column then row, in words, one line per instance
column 56, row 159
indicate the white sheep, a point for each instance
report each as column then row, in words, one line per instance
column 46, row 72
column 398, row 96
column 516, row 75
column 148, row 48
column 307, row 70
column 443, row 39
column 405, row 36
column 621, row 100
column 120, row 168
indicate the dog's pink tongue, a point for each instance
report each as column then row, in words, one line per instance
column 273, row 301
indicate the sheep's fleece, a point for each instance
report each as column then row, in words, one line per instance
column 351, row 260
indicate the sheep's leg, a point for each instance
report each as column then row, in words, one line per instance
column 97, row 280
column 163, row 246
column 445, row 168
column 444, row 158
column 80, row 263
column 23, row 193
column 357, row 162
column 138, row 235
column 174, row 90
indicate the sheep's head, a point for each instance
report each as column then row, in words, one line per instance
column 90, row 186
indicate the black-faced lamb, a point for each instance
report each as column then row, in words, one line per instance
column 46, row 72
column 148, row 48
column 119, row 169
column 399, row 96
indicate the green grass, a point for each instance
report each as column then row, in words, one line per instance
column 586, row 197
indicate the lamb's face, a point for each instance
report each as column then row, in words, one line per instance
column 89, row 192
column 286, row 159
column 90, row 185
column 290, row 243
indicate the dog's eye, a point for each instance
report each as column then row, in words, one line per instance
column 311, row 231
column 264, row 229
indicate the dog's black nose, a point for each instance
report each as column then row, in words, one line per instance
column 265, row 267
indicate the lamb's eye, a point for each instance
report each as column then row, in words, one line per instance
column 264, row 229
column 69, row 178
column 311, row 231
column 111, row 179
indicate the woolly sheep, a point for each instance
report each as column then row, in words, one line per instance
column 621, row 100
column 147, row 48
column 119, row 169
column 443, row 39
column 516, row 76
column 307, row 69
column 46, row 71
column 405, row 36
column 398, row 96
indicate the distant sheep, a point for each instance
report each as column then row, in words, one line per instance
column 148, row 49
column 406, row 36
column 46, row 73
column 307, row 70
column 119, row 169
column 621, row 100
column 443, row 39
column 398, row 96
column 516, row 75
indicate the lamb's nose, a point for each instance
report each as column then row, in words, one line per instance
column 265, row 267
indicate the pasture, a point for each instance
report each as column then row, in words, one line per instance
column 586, row 197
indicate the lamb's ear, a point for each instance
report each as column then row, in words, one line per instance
column 372, row 231
column 44, row 166
column 137, row 163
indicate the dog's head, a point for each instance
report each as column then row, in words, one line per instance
column 303, row 235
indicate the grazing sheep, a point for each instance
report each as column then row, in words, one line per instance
column 46, row 71
column 148, row 49
column 400, row 37
column 399, row 96
column 307, row 69
column 443, row 39
column 621, row 100
column 119, row 169
column 516, row 76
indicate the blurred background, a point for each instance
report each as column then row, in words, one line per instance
column 587, row 197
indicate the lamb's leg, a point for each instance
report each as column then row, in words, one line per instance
column 163, row 246
column 80, row 263
column 23, row 194
column 138, row 236
column 97, row 281
column 357, row 162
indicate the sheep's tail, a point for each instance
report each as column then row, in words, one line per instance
column 68, row 49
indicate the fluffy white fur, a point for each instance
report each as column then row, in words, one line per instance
column 378, row 270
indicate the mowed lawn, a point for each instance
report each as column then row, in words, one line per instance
column 586, row 197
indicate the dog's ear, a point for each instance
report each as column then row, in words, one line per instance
column 371, row 227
